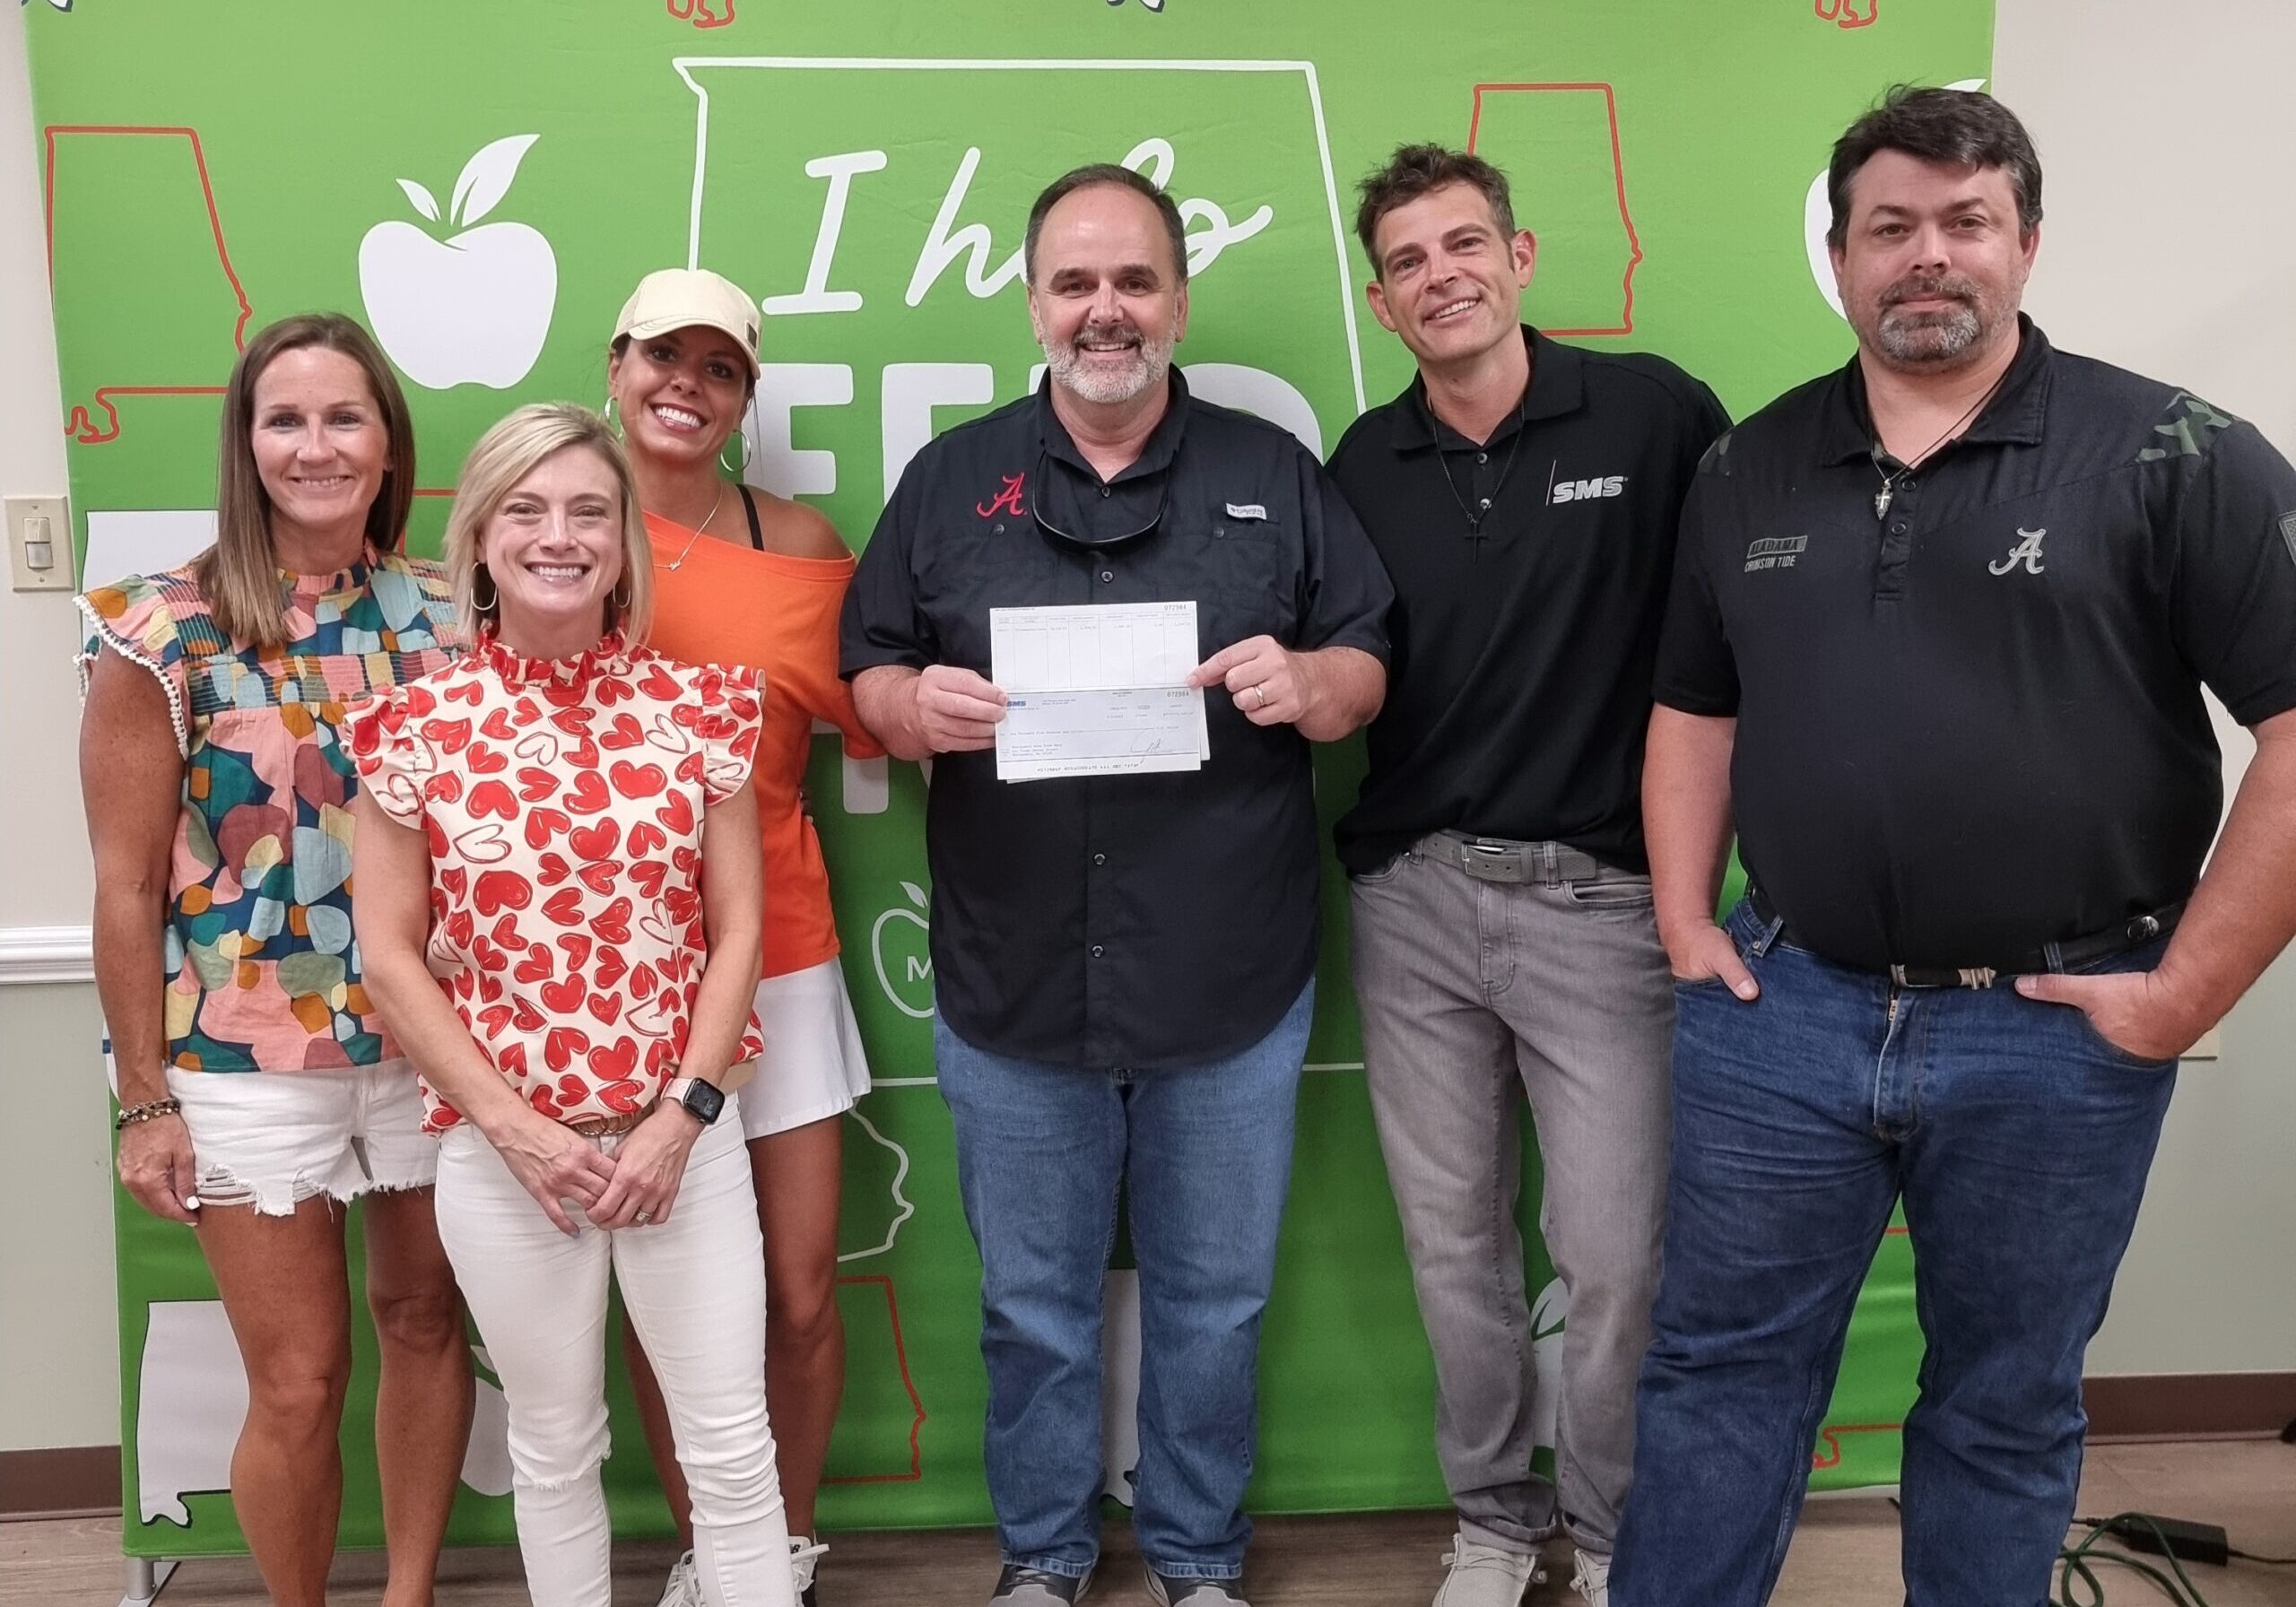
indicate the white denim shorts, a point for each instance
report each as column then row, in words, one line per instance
column 274, row 1139
column 813, row 1067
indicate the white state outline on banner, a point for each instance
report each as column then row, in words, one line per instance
column 683, row 66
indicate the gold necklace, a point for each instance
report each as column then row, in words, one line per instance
column 698, row 529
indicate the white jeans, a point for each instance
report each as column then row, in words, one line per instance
column 695, row 1288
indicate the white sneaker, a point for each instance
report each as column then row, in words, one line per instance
column 1485, row 1576
column 684, row 1586
column 1591, row 1577
column 804, row 1556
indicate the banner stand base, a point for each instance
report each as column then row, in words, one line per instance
column 146, row 1577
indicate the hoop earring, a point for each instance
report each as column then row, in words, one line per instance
column 612, row 415
column 483, row 573
column 737, row 469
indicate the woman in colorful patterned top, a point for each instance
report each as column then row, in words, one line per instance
column 746, row 578
column 258, row 1087
column 560, row 901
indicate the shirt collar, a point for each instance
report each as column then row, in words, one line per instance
column 2017, row 415
column 610, row 654
column 1163, row 443
column 1558, row 386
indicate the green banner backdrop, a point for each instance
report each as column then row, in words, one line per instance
column 484, row 183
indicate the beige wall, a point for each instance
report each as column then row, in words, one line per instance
column 2168, row 246
column 58, row 1342
column 2167, row 250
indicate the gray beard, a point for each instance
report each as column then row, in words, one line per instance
column 1104, row 386
column 1926, row 338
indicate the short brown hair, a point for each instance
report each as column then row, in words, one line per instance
column 1961, row 128
column 1416, row 170
column 506, row 454
column 239, row 575
column 1111, row 175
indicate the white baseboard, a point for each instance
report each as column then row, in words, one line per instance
column 47, row 955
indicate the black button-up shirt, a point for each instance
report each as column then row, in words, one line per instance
column 1969, row 723
column 1119, row 921
column 1520, row 690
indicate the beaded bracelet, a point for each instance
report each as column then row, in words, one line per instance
column 150, row 1110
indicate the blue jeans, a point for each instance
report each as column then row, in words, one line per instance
column 2018, row 1139
column 1204, row 1154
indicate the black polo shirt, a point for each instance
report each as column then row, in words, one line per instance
column 1520, row 690
column 1973, row 725
column 1119, row 921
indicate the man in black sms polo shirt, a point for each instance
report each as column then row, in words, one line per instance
column 1124, row 964
column 1938, row 634
column 1525, row 496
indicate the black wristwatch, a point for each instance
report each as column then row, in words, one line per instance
column 702, row 1100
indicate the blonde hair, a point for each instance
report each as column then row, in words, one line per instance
column 506, row 454
column 238, row 576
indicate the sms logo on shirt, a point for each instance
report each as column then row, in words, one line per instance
column 1583, row 491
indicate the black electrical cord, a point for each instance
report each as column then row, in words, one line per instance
column 2076, row 1566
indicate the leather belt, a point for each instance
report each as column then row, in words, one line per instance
column 605, row 1126
column 2070, row 955
column 1501, row 859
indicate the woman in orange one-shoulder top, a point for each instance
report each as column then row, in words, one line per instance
column 745, row 577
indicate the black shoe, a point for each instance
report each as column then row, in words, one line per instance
column 1034, row 1587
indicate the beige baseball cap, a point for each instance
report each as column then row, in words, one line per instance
column 683, row 298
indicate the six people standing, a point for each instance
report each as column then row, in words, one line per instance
column 1868, row 608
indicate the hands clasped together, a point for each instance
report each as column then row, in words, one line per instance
column 635, row 1187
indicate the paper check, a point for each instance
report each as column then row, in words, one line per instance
column 1096, row 690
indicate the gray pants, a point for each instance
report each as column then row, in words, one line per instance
column 1469, row 989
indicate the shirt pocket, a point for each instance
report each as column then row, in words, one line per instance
column 1251, row 573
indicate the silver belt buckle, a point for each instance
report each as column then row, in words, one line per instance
column 1488, row 863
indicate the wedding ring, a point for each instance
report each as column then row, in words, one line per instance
column 643, row 1217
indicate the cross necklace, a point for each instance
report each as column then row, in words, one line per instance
column 1889, row 478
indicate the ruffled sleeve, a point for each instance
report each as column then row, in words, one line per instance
column 732, row 717
column 134, row 619
column 394, row 760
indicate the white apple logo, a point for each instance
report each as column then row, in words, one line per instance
column 914, row 968
column 472, row 309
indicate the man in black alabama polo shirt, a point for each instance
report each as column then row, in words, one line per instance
column 1939, row 630
column 1524, row 497
column 1123, row 964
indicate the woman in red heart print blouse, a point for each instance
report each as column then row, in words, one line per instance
column 559, row 903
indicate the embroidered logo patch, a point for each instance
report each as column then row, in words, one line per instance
column 1774, row 553
column 1246, row 510
column 1006, row 501
column 2027, row 551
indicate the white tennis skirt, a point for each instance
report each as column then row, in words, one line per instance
column 813, row 1067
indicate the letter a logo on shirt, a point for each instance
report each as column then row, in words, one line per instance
column 2027, row 551
column 1007, row 501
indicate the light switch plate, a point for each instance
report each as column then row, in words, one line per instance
column 39, row 544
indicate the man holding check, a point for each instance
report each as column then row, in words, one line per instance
column 1124, row 961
